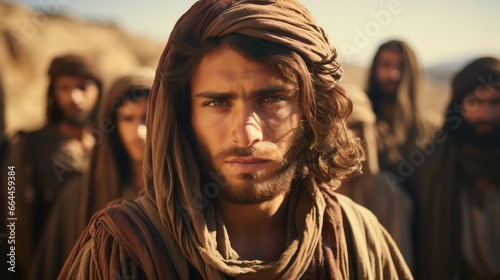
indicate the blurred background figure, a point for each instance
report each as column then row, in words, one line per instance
column 46, row 159
column 391, row 204
column 393, row 88
column 115, row 171
column 459, row 184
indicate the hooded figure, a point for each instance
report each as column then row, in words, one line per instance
column 393, row 89
column 390, row 203
column 46, row 159
column 458, row 184
column 179, row 230
column 111, row 174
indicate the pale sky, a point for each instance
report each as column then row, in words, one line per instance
column 438, row 31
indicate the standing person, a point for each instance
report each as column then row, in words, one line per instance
column 48, row 158
column 390, row 203
column 115, row 172
column 393, row 89
column 459, row 184
column 246, row 145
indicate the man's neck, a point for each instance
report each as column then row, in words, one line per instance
column 257, row 231
column 70, row 131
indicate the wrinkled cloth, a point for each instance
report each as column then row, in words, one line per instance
column 129, row 240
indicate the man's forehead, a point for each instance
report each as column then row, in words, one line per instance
column 484, row 93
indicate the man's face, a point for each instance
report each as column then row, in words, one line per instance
column 481, row 111
column 130, row 119
column 246, row 119
column 388, row 71
column 76, row 97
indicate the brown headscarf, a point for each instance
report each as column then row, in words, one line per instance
column 109, row 162
column 71, row 65
column 409, row 125
column 439, row 180
column 173, row 182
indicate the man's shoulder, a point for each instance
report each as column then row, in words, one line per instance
column 28, row 137
column 353, row 209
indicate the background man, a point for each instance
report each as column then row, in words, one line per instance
column 46, row 158
column 459, row 184
column 393, row 88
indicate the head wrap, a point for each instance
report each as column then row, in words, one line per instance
column 171, row 170
column 484, row 71
column 73, row 65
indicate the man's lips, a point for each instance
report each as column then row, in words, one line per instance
column 246, row 164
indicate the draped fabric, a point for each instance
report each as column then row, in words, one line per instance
column 130, row 241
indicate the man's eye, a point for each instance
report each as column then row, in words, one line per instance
column 126, row 118
column 216, row 103
column 272, row 99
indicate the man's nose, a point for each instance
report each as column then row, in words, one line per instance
column 486, row 112
column 247, row 129
column 395, row 75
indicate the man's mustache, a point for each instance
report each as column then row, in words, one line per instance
column 262, row 150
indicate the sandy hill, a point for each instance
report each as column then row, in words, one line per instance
column 29, row 40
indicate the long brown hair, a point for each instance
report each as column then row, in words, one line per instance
column 326, row 105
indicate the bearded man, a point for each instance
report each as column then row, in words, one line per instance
column 246, row 143
column 394, row 90
column 459, row 184
column 46, row 159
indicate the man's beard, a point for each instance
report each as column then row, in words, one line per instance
column 469, row 133
column 78, row 120
column 253, row 190
column 387, row 91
